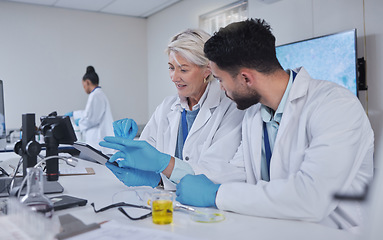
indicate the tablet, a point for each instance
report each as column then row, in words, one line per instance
column 65, row 201
column 91, row 153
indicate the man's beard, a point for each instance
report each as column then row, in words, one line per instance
column 244, row 102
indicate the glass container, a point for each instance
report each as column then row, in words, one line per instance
column 34, row 197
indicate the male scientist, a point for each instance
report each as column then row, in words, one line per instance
column 303, row 140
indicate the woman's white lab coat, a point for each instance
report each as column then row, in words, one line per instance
column 324, row 146
column 213, row 138
column 96, row 120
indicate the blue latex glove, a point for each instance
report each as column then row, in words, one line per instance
column 69, row 114
column 134, row 177
column 197, row 190
column 126, row 128
column 76, row 121
column 136, row 154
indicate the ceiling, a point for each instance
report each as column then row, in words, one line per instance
column 133, row 8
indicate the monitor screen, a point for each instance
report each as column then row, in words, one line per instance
column 330, row 57
column 3, row 142
column 2, row 112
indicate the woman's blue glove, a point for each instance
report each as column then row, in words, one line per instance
column 126, row 128
column 76, row 121
column 134, row 177
column 136, row 154
column 69, row 114
column 197, row 190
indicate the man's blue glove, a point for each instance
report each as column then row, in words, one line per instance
column 69, row 114
column 134, row 177
column 136, row 154
column 126, row 128
column 197, row 190
column 76, row 121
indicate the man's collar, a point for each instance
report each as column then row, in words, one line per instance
column 268, row 114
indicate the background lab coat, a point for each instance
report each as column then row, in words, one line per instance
column 324, row 145
column 96, row 120
column 213, row 138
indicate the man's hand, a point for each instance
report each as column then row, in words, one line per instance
column 197, row 190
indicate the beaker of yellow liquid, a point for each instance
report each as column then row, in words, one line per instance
column 162, row 207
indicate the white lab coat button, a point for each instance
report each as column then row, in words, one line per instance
column 186, row 158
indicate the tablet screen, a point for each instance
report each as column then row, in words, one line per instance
column 91, row 152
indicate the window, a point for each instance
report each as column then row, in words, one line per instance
column 214, row 20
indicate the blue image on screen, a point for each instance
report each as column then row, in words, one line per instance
column 331, row 57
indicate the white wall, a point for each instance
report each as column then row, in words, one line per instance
column 44, row 53
column 161, row 28
column 291, row 20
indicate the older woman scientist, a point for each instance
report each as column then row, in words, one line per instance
column 195, row 132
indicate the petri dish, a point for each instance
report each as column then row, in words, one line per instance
column 207, row 215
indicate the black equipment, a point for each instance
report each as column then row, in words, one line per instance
column 55, row 129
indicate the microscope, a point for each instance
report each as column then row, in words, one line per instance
column 55, row 129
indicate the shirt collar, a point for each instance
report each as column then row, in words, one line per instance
column 95, row 89
column 268, row 114
column 183, row 103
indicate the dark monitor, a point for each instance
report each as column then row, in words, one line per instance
column 3, row 141
column 56, row 130
column 60, row 126
column 331, row 57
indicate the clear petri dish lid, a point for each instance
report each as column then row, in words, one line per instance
column 207, row 215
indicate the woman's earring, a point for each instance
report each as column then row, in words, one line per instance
column 205, row 79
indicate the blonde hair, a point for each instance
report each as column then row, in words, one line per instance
column 189, row 44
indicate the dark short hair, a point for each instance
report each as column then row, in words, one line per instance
column 249, row 44
column 91, row 75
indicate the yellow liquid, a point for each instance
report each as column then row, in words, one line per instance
column 162, row 211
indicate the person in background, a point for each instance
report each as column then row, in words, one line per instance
column 96, row 121
column 196, row 131
column 2, row 125
column 303, row 140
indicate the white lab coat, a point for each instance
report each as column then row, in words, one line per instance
column 96, row 120
column 324, row 146
column 213, row 138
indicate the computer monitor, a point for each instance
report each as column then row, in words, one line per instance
column 331, row 57
column 3, row 141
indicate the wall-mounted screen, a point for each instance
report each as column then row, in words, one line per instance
column 330, row 57
column 2, row 112
column 3, row 142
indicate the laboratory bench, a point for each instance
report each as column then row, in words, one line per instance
column 102, row 188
